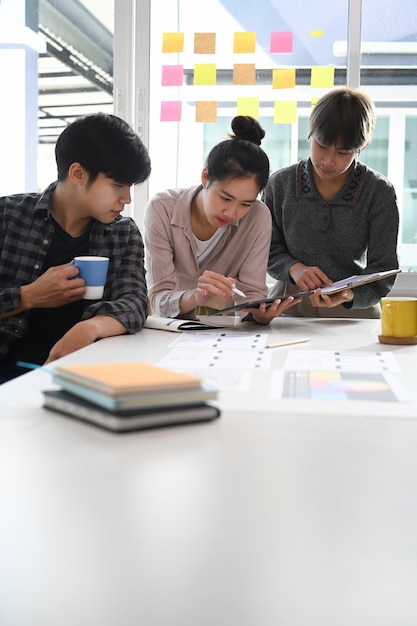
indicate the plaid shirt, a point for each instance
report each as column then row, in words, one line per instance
column 26, row 232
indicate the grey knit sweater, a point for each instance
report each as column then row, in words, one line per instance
column 356, row 232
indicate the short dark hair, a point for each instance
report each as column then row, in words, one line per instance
column 103, row 143
column 241, row 155
column 343, row 117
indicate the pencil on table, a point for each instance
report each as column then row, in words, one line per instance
column 287, row 343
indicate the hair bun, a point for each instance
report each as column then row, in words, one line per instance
column 247, row 128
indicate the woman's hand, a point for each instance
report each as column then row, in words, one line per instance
column 329, row 301
column 266, row 313
column 209, row 284
column 215, row 284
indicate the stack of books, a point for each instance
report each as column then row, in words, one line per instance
column 128, row 396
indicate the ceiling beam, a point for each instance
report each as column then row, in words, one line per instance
column 78, row 39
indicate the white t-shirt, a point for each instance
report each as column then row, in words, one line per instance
column 204, row 248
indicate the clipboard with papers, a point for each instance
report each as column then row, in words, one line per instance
column 357, row 280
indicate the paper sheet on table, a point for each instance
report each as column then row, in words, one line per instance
column 217, row 358
column 218, row 339
column 339, row 376
column 337, row 386
column 342, row 361
column 224, row 359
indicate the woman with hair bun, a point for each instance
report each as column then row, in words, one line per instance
column 203, row 241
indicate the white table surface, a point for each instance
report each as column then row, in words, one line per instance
column 324, row 334
column 260, row 518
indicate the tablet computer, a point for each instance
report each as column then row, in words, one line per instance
column 345, row 283
column 255, row 304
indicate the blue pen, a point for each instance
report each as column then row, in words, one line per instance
column 32, row 366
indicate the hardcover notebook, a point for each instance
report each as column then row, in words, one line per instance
column 345, row 283
column 73, row 406
column 124, row 378
column 128, row 402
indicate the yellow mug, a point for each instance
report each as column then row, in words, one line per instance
column 399, row 317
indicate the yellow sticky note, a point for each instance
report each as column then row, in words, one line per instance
column 285, row 112
column 322, row 76
column 172, row 42
column 244, row 74
column 206, row 111
column 205, row 74
column 204, row 43
column 283, row 78
column 248, row 106
column 317, row 33
column 244, row 42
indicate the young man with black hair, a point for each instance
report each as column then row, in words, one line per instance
column 42, row 312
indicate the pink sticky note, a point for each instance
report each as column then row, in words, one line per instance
column 171, row 111
column 281, row 41
column 172, row 75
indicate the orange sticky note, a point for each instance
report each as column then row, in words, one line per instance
column 172, row 42
column 205, row 111
column 171, row 111
column 244, row 42
column 322, row 76
column 204, row 43
column 244, row 74
column 205, row 74
column 248, row 106
column 283, row 78
column 285, row 112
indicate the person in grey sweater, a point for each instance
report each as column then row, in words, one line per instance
column 332, row 216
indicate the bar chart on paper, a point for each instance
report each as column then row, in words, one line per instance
column 341, row 375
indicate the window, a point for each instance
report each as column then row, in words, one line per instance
column 182, row 69
column 212, row 62
column 191, row 108
column 387, row 72
column 56, row 60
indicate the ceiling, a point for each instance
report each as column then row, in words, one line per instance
column 75, row 72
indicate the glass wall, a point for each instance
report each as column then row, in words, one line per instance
column 200, row 63
column 211, row 61
column 56, row 61
column 75, row 70
column 388, row 73
column 409, row 227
